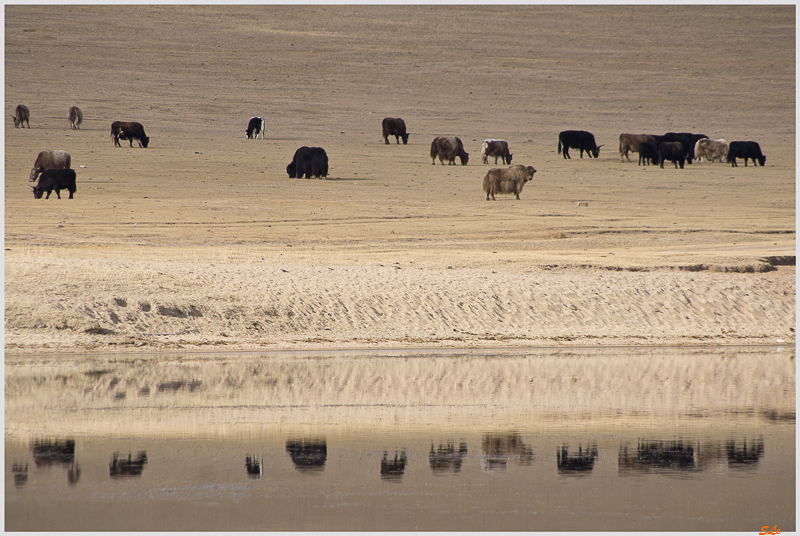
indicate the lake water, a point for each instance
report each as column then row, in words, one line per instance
column 523, row 440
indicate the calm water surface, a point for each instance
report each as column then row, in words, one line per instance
column 195, row 443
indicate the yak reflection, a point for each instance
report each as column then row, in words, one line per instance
column 447, row 458
column 254, row 466
column 577, row 463
column 744, row 455
column 120, row 467
column 47, row 453
column 498, row 449
column 659, row 456
column 308, row 455
column 393, row 470
column 20, row 473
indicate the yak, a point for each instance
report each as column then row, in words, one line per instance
column 745, row 149
column 631, row 142
column 55, row 179
column 394, row 126
column 578, row 139
column 507, row 181
column 21, row 114
column 75, row 118
column 50, row 160
column 648, row 153
column 711, row 149
column 672, row 151
column 448, row 148
column 255, row 126
column 497, row 149
column 308, row 162
column 129, row 130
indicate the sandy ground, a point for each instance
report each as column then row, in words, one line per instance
column 201, row 239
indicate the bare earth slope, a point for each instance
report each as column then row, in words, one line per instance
column 202, row 239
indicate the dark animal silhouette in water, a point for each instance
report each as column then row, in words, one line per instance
column 582, row 462
column 308, row 454
column 393, row 470
column 447, row 458
column 498, row 449
column 120, row 467
column 254, row 466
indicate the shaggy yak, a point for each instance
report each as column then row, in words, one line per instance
column 507, row 181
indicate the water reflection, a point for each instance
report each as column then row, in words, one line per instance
column 446, row 458
column 254, row 466
column 499, row 448
column 50, row 452
column 308, row 455
column 744, row 456
column 577, row 463
column 20, row 473
column 659, row 456
column 120, row 467
column 393, row 470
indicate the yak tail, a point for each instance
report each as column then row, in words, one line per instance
column 434, row 151
column 559, row 146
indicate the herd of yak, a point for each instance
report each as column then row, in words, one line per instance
column 53, row 168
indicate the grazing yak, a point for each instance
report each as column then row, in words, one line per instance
column 129, row 130
column 507, row 181
column 689, row 140
column 22, row 114
column 50, row 160
column 55, row 179
column 745, row 149
column 672, row 151
column 448, row 148
column 686, row 142
column 308, row 162
column 631, row 142
column 394, row 126
column 648, row 153
column 256, row 126
column 578, row 139
column 711, row 149
column 75, row 118
column 497, row 149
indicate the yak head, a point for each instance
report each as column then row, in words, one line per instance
column 145, row 140
column 508, row 159
column 464, row 158
column 37, row 192
column 405, row 138
column 596, row 151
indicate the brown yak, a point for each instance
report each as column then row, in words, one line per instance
column 507, row 181
column 448, row 148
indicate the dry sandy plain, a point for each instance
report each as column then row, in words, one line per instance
column 201, row 240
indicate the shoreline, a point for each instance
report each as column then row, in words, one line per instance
column 146, row 306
